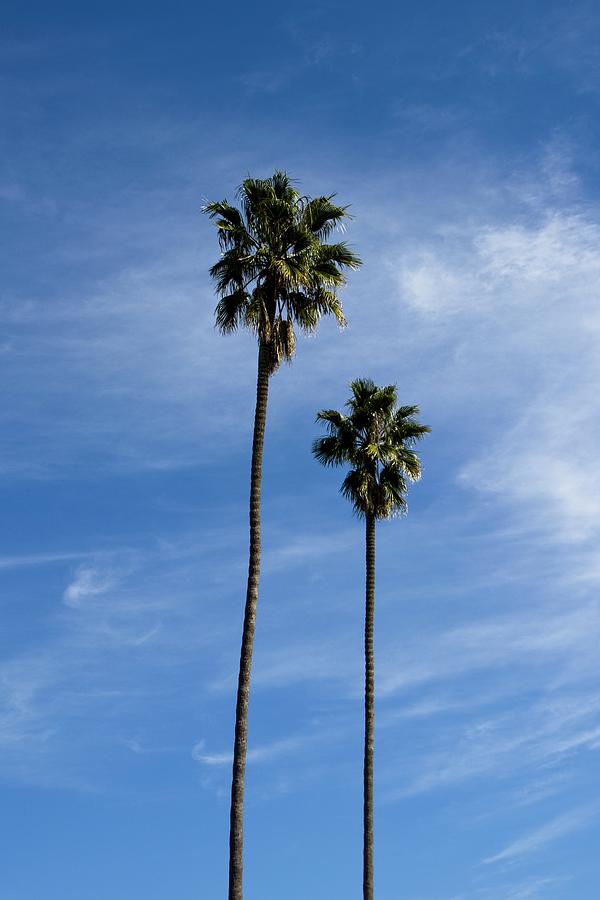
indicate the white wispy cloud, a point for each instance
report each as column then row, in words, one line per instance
column 89, row 581
column 264, row 753
column 140, row 749
column 79, row 686
column 536, row 840
column 548, row 733
column 563, row 638
column 546, row 639
column 37, row 559
column 305, row 548
column 520, row 300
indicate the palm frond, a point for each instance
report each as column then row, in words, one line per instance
column 393, row 489
column 308, row 309
column 303, row 310
column 357, row 487
column 227, row 216
column 231, row 269
column 322, row 217
column 231, row 311
column 410, row 463
column 332, row 417
column 328, row 451
column 231, row 226
column 340, row 255
column 287, row 272
column 406, row 412
column 283, row 187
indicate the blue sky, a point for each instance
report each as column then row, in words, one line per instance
column 465, row 139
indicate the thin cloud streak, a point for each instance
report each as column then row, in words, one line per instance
column 265, row 753
column 535, row 841
column 38, row 559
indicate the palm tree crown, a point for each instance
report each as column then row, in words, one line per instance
column 377, row 438
column 276, row 271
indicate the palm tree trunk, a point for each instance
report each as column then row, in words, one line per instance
column 369, row 710
column 236, row 832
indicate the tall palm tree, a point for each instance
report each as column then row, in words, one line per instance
column 377, row 439
column 276, row 273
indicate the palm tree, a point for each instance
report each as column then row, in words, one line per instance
column 376, row 439
column 276, row 272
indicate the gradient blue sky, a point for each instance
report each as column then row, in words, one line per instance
column 465, row 138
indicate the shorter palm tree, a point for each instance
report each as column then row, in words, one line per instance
column 376, row 439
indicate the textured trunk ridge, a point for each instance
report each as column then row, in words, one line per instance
column 236, row 832
column 368, row 877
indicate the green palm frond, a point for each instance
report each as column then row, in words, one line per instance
column 322, row 216
column 276, row 262
column 393, row 488
column 376, row 440
column 339, row 254
column 307, row 310
column 406, row 412
column 327, row 451
column 359, row 487
column 232, row 229
column 334, row 419
column 299, row 241
column 231, row 269
column 227, row 217
column 230, row 311
column 283, row 187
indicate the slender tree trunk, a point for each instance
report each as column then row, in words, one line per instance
column 369, row 710
column 236, row 832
